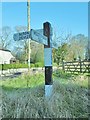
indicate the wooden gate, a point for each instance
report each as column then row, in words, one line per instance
column 77, row 66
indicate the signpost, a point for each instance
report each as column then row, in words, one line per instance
column 48, row 60
column 43, row 36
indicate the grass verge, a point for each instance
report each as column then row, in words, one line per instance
column 69, row 98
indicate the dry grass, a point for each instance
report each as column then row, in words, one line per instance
column 67, row 101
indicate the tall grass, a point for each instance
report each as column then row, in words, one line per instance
column 68, row 100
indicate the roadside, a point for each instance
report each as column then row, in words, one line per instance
column 11, row 71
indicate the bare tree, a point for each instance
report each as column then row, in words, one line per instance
column 61, row 41
column 22, row 46
column 5, row 37
column 77, row 47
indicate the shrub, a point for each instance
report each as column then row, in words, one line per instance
column 13, row 66
column 20, row 65
column 32, row 65
column 39, row 64
column 55, row 64
column 62, row 74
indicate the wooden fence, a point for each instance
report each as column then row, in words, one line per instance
column 76, row 66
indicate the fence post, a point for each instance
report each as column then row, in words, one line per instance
column 80, row 64
column 63, row 67
column 2, row 68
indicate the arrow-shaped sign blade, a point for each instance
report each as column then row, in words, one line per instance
column 40, row 31
column 36, row 36
column 22, row 36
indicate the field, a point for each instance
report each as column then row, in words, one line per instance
column 23, row 97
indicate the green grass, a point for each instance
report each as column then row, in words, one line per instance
column 23, row 81
column 26, row 80
column 69, row 98
column 67, row 78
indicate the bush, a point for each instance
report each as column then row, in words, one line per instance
column 55, row 64
column 62, row 74
column 39, row 64
column 7, row 66
column 32, row 65
column 13, row 66
column 0, row 67
column 20, row 65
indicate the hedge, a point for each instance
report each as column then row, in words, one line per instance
column 19, row 65
column 39, row 64
column 13, row 66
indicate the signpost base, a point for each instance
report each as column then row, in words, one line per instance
column 48, row 90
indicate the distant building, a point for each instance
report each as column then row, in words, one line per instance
column 6, row 56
